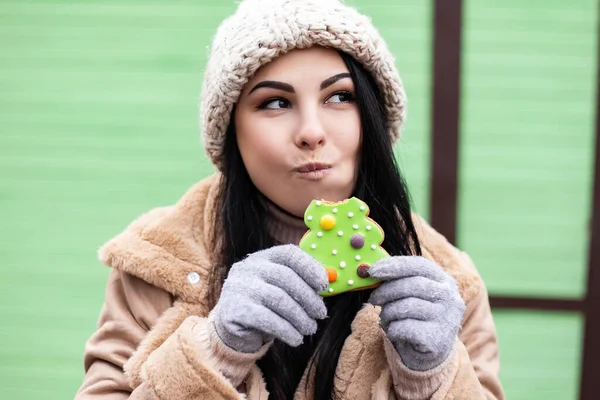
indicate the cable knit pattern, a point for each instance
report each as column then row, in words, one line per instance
column 262, row 30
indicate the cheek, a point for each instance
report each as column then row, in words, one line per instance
column 261, row 149
column 349, row 137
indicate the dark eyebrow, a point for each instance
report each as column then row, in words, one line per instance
column 275, row 85
column 288, row 88
column 330, row 81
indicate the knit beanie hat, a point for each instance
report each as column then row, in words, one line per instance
column 262, row 30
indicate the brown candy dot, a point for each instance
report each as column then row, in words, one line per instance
column 357, row 241
column 363, row 270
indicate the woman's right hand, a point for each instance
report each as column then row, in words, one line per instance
column 271, row 294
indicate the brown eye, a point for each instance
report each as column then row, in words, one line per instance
column 274, row 104
column 340, row 97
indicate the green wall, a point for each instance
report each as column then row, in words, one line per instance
column 527, row 145
column 98, row 123
column 526, row 162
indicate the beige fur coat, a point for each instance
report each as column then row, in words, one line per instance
column 153, row 339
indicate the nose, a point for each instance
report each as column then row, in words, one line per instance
column 311, row 133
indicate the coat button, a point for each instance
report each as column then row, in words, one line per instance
column 193, row 278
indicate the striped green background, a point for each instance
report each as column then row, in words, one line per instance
column 98, row 123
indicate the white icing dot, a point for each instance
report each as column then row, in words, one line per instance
column 368, row 227
column 330, row 290
column 309, row 218
column 334, row 210
column 340, row 233
column 354, row 227
column 342, row 265
column 357, row 258
column 373, row 246
column 334, row 252
column 350, row 215
column 319, row 234
column 318, row 203
column 362, row 208
column 313, row 246
column 350, row 282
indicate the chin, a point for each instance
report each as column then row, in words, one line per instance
column 296, row 199
column 327, row 195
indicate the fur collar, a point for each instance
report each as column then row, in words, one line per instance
column 164, row 246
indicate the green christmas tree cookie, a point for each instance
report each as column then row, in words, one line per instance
column 345, row 240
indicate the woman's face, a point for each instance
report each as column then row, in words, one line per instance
column 298, row 129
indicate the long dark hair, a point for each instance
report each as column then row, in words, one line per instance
column 379, row 184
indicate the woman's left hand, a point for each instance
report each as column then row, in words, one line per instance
column 421, row 309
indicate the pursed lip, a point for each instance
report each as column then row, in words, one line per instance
column 312, row 167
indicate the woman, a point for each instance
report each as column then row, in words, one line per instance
column 212, row 298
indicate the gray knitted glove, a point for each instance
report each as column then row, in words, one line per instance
column 271, row 294
column 421, row 309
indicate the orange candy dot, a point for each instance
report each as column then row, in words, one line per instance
column 332, row 275
column 327, row 222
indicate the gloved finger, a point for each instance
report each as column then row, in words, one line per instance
column 276, row 300
column 419, row 334
column 409, row 308
column 406, row 266
column 287, row 280
column 299, row 261
column 414, row 286
column 259, row 318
